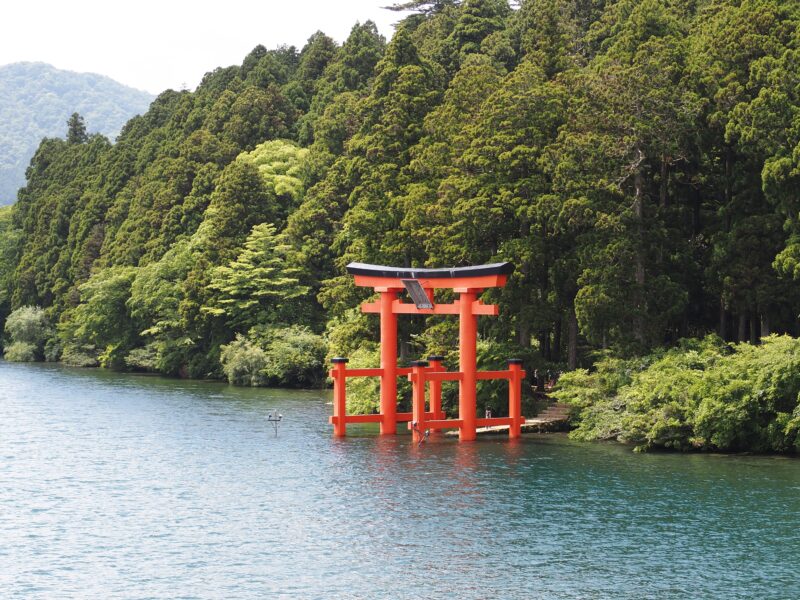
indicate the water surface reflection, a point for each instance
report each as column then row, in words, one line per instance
column 127, row 486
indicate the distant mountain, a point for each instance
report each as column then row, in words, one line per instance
column 36, row 99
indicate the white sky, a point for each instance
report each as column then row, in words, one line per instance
column 158, row 44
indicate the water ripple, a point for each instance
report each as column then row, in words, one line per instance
column 115, row 486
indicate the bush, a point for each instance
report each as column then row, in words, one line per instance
column 102, row 320
column 75, row 355
column 243, row 362
column 21, row 352
column 703, row 394
column 28, row 330
column 281, row 356
column 295, row 357
column 143, row 359
column 52, row 350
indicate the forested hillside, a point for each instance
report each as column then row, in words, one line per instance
column 638, row 161
column 36, row 100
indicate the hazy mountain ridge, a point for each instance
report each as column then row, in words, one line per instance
column 36, row 99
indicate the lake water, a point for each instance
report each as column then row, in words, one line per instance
column 124, row 486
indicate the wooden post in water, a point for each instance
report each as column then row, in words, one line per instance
column 468, row 364
column 418, row 399
column 515, row 397
column 436, row 388
column 388, row 361
column 339, row 396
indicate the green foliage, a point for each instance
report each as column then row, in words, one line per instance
column 102, row 320
column 287, row 356
column 636, row 161
column 28, row 330
column 295, row 356
column 21, row 352
column 80, row 356
column 10, row 239
column 145, row 359
column 37, row 101
column 257, row 287
column 243, row 362
column 281, row 165
column 354, row 336
column 700, row 395
column 157, row 292
column 76, row 130
column 364, row 393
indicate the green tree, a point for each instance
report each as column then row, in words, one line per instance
column 76, row 130
column 102, row 323
column 256, row 288
column 10, row 238
column 281, row 165
column 157, row 292
column 28, row 330
column 728, row 41
column 622, row 166
column 404, row 91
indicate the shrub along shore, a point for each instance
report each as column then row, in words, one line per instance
column 701, row 395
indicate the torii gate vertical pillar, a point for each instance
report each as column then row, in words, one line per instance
column 468, row 365
column 388, row 362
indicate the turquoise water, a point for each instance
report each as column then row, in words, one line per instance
column 124, row 486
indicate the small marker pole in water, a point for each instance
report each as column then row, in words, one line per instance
column 274, row 417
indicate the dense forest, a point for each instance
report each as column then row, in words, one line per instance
column 35, row 101
column 637, row 160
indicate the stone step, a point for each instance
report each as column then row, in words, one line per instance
column 555, row 411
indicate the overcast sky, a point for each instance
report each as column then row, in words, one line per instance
column 158, row 44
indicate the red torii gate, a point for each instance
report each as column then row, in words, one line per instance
column 468, row 283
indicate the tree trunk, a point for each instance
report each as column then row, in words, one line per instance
column 755, row 329
column 663, row 199
column 638, row 211
column 544, row 344
column 723, row 320
column 696, row 205
column 556, row 349
column 741, row 335
column 765, row 325
column 728, row 176
column 572, row 343
column 524, row 333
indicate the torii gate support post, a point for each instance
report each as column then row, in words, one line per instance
column 418, row 400
column 468, row 365
column 388, row 362
column 515, row 397
column 339, row 396
column 436, row 388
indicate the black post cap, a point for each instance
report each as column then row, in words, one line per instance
column 515, row 361
column 438, row 357
column 339, row 360
column 419, row 363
